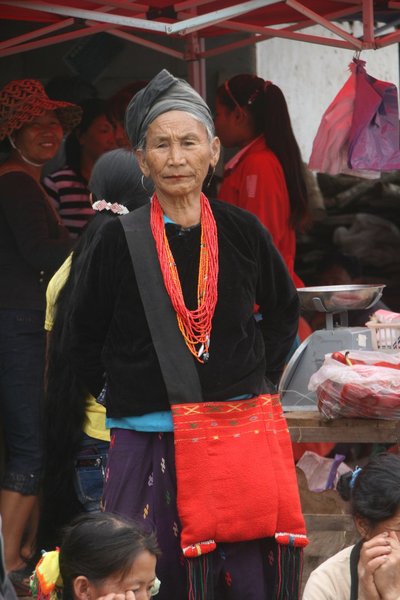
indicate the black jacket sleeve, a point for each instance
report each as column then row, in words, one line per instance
column 279, row 305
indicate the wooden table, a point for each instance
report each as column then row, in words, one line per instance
column 313, row 427
column 325, row 511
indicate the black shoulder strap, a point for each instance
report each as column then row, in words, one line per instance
column 176, row 362
column 354, row 558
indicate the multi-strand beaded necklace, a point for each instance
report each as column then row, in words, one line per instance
column 195, row 325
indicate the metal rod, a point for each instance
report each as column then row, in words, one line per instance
column 100, row 17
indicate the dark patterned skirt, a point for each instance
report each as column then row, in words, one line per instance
column 140, row 483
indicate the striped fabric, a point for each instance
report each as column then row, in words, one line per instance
column 71, row 197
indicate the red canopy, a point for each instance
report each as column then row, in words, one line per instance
column 62, row 20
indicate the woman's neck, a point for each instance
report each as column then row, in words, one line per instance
column 16, row 160
column 183, row 211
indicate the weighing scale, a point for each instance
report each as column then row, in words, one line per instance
column 309, row 356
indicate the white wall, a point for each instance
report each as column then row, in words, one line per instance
column 311, row 75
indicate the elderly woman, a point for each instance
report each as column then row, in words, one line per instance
column 33, row 245
column 199, row 447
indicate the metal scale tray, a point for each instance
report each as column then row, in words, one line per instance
column 309, row 356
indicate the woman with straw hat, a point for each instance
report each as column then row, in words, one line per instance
column 33, row 245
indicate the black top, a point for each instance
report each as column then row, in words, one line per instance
column 32, row 243
column 109, row 331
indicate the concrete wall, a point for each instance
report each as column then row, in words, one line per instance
column 311, row 75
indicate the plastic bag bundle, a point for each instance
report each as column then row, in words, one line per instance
column 359, row 131
column 358, row 384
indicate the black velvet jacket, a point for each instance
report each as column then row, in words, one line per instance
column 109, row 331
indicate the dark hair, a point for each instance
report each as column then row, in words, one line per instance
column 99, row 545
column 267, row 105
column 375, row 494
column 65, row 402
column 116, row 177
column 92, row 109
column 116, row 104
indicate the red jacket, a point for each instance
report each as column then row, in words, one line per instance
column 254, row 180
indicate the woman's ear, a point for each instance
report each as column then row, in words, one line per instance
column 141, row 158
column 215, row 152
column 80, row 588
column 363, row 526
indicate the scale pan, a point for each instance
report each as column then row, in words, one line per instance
column 338, row 298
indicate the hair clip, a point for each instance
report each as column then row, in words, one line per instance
column 117, row 209
column 354, row 476
column 231, row 96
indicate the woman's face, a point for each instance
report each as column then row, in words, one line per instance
column 226, row 125
column 98, row 138
column 178, row 155
column 368, row 531
column 39, row 140
column 139, row 580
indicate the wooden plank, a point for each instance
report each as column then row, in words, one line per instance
column 312, row 427
column 315, row 522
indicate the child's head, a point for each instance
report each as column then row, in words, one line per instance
column 103, row 554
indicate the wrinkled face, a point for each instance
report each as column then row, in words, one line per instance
column 40, row 139
column 139, row 580
column 177, row 155
column 98, row 138
column 226, row 125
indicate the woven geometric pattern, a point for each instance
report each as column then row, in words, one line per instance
column 236, row 479
column 22, row 100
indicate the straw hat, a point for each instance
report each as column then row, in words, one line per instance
column 21, row 100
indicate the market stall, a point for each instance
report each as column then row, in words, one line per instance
column 192, row 23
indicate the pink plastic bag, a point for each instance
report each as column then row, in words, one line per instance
column 330, row 147
column 374, row 132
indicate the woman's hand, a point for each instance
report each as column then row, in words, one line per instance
column 387, row 575
column 374, row 553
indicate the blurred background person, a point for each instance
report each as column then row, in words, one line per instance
column 77, row 439
column 68, row 187
column 33, row 244
column 69, row 89
column 116, row 107
column 267, row 175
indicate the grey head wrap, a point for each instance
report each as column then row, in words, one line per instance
column 162, row 94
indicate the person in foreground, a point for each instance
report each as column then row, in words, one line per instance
column 101, row 556
column 199, row 446
column 370, row 570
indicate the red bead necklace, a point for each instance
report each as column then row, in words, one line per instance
column 195, row 325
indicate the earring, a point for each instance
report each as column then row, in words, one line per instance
column 210, row 176
column 12, row 142
column 144, row 187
